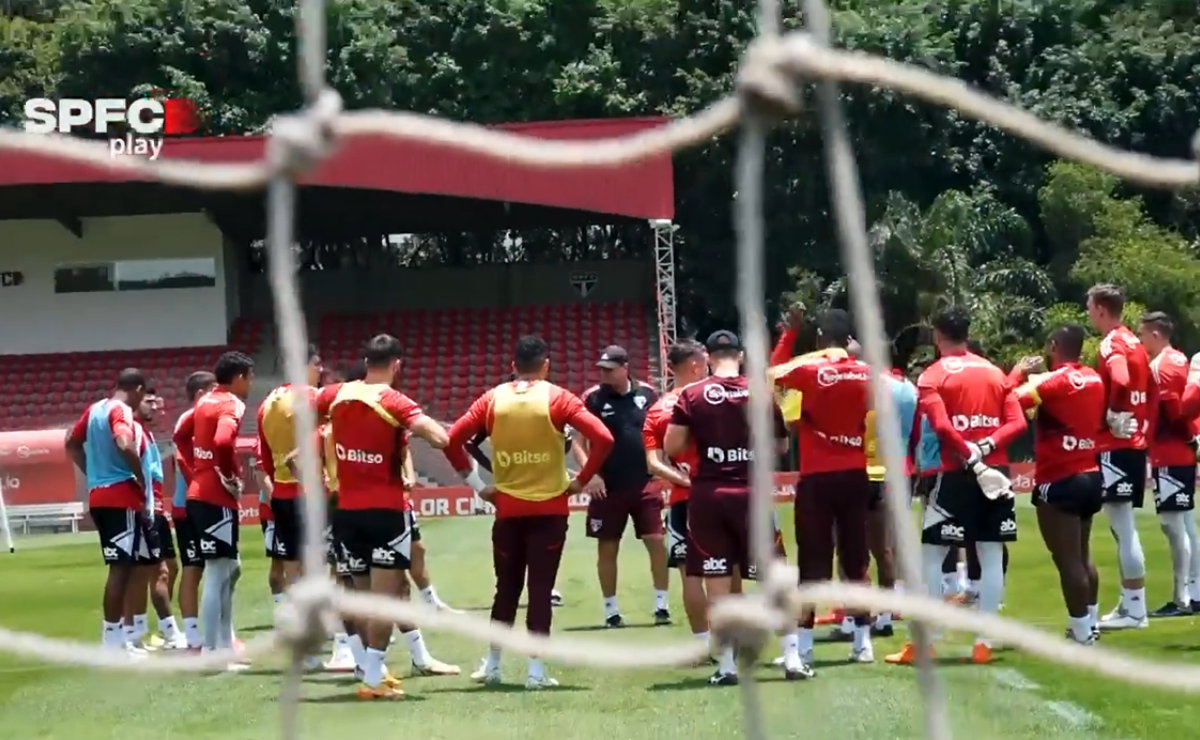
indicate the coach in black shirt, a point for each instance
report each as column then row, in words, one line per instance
column 620, row 493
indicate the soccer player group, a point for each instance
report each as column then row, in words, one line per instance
column 1096, row 432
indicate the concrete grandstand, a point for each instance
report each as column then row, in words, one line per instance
column 104, row 272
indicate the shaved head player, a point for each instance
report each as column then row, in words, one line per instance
column 712, row 415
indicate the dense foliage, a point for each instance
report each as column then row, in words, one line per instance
column 960, row 212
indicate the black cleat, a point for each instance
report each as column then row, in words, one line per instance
column 886, row 630
column 1195, row 606
column 1171, row 609
column 723, row 679
column 662, row 617
column 614, row 621
column 803, row 673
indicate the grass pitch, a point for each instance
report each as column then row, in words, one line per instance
column 52, row 586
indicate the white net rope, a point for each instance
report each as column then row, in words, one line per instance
column 768, row 89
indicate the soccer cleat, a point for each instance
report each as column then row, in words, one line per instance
column 178, row 642
column 906, row 656
column 342, row 660
column 388, row 678
column 537, row 683
column 957, row 599
column 153, row 642
column 800, row 670
column 886, row 630
column 485, row 674
column 1120, row 619
column 1089, row 640
column 834, row 617
column 133, row 653
column 662, row 617
column 723, row 679
column 614, row 621
column 1171, row 609
column 865, row 654
column 435, row 668
column 981, row 654
column 382, row 691
column 135, row 649
column 556, row 597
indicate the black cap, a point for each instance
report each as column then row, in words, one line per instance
column 614, row 356
column 723, row 341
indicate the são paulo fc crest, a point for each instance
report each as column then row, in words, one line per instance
column 584, row 282
column 640, row 401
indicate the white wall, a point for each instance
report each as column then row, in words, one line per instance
column 34, row 319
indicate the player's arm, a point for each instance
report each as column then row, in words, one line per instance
column 1119, row 382
column 324, row 401
column 409, row 471
column 1167, row 378
column 474, row 448
column 1189, row 401
column 120, row 420
column 566, row 408
column 470, row 426
column 182, row 439
column 76, row 436
column 579, row 443
column 780, row 429
column 930, row 403
column 1012, row 423
column 800, row 376
column 292, row 459
column 679, row 429
column 655, row 461
column 266, row 458
column 782, row 352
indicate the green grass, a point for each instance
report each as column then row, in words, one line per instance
column 52, row 584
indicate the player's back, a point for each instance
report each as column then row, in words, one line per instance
column 367, row 422
column 206, row 421
column 277, row 426
column 1172, row 432
column 1068, row 424
column 833, row 416
column 1121, row 344
column 973, row 391
column 715, row 410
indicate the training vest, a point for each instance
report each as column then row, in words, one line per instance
column 331, row 481
column 279, row 429
column 528, row 460
column 789, row 400
column 104, row 464
column 904, row 396
column 179, row 499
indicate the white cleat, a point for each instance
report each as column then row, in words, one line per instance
column 778, row 662
column 178, row 642
column 537, row 683
column 1119, row 619
column 486, row 675
column 136, row 650
column 342, row 660
column 865, row 654
column 237, row 667
column 556, row 597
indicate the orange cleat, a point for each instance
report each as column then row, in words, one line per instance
column 906, row 656
column 981, row 654
column 382, row 691
column 834, row 617
column 956, row 599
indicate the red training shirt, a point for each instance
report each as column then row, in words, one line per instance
column 1069, row 427
column 833, row 413
column 654, row 430
column 182, row 439
column 1125, row 368
column 966, row 399
column 370, row 451
column 1174, row 420
column 565, row 409
column 126, row 494
column 216, row 421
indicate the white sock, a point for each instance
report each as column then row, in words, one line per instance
column 862, row 637
column 111, row 634
column 701, row 635
column 610, row 606
column 1194, row 590
column 789, row 645
column 804, row 640
column 964, row 581
column 931, row 563
column 847, row 625
column 536, row 669
column 277, row 598
column 130, row 633
column 971, row 588
column 660, row 599
column 1094, row 615
column 373, row 670
column 416, row 648
column 726, row 663
column 491, row 661
column 141, row 625
column 1135, row 601
column 167, row 627
column 358, row 650
column 883, row 619
column 950, row 584
column 191, row 630
column 1081, row 627
column 429, row 596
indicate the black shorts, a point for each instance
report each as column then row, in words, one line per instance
column 268, row 533
column 166, row 542
column 288, row 528
column 875, row 503
column 216, row 529
column 1174, row 488
column 1080, row 494
column 188, row 544
column 122, row 534
column 675, row 525
column 958, row 512
column 374, row 538
column 1124, row 476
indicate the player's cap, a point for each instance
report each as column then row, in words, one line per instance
column 723, row 341
column 614, row 356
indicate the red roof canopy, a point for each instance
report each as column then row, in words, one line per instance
column 641, row 190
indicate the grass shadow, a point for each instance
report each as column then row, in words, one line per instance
column 349, row 697
column 603, row 627
column 506, row 688
column 256, row 628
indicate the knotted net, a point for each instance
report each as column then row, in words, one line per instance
column 768, row 89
